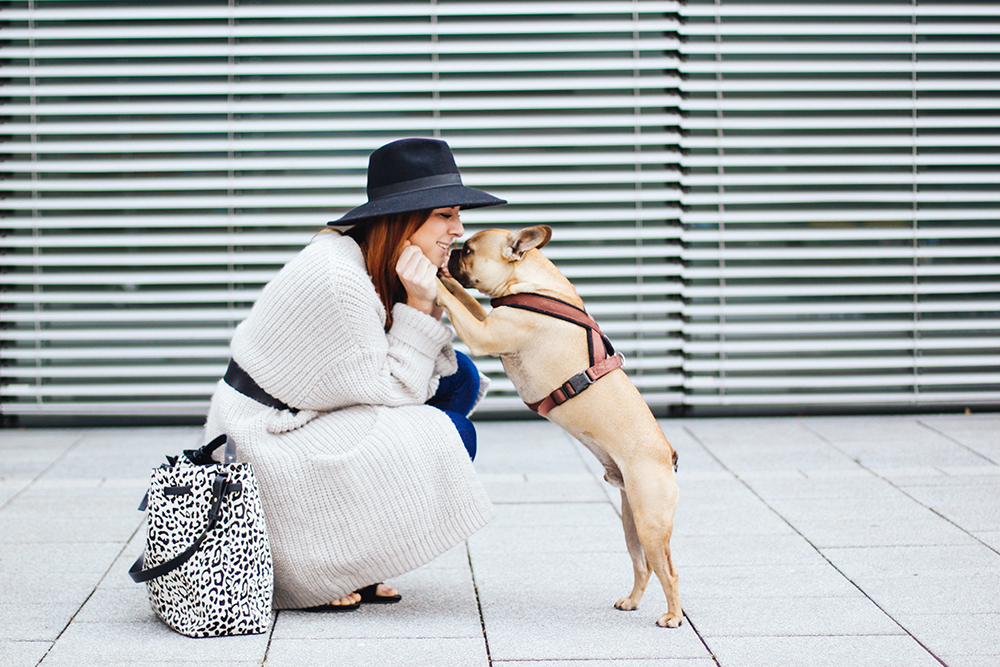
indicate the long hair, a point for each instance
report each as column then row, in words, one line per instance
column 381, row 242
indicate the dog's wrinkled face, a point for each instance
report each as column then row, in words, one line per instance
column 489, row 259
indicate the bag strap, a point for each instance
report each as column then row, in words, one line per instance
column 140, row 575
column 201, row 457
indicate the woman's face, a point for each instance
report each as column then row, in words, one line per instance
column 435, row 236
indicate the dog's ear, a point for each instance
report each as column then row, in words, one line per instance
column 521, row 242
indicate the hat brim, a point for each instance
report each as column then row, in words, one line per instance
column 444, row 196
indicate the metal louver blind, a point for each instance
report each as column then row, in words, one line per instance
column 841, row 203
column 162, row 161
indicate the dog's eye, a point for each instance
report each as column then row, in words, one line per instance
column 466, row 250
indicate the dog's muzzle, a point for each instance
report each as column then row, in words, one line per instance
column 455, row 267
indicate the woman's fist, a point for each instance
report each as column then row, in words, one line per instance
column 419, row 278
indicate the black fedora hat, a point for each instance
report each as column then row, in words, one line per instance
column 414, row 175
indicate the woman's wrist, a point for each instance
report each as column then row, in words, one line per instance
column 424, row 306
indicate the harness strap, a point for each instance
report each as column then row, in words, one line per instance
column 603, row 358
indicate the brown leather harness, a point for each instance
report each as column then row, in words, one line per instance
column 603, row 358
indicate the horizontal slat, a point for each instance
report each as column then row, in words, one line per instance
column 399, row 70
column 836, row 28
column 852, row 326
column 986, row 196
column 844, row 142
column 831, row 309
column 117, row 353
column 845, row 252
column 398, row 90
column 870, row 84
column 867, row 380
column 287, row 11
column 605, row 180
column 316, row 201
column 868, row 399
column 334, row 29
column 245, row 241
column 454, row 46
column 145, row 257
column 214, row 144
column 854, row 159
column 857, row 215
column 164, row 409
column 819, row 122
column 771, row 272
column 823, row 10
column 130, row 389
column 850, row 232
column 838, row 66
column 835, row 103
column 846, row 45
column 833, row 291
column 769, row 349
column 626, row 269
column 842, row 364
column 858, row 178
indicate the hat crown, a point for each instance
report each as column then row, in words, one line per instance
column 415, row 162
column 416, row 174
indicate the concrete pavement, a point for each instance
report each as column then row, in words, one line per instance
column 846, row 541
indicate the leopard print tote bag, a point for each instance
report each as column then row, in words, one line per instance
column 207, row 565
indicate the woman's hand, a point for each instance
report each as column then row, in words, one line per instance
column 419, row 278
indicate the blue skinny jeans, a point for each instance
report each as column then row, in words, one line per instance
column 456, row 395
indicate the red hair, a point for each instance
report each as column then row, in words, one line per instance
column 382, row 242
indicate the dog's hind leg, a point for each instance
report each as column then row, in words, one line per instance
column 652, row 510
column 639, row 564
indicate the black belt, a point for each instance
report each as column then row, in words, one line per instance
column 238, row 379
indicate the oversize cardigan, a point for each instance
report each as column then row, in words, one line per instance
column 365, row 482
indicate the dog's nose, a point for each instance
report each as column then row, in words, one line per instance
column 455, row 265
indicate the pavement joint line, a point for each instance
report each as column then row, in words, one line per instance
column 909, row 495
column 957, row 442
column 834, row 566
column 47, row 468
column 85, row 601
column 810, row 543
column 704, row 643
column 479, row 604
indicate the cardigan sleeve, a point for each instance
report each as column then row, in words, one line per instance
column 401, row 367
column 316, row 337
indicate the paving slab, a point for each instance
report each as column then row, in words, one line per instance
column 790, row 616
column 18, row 653
column 959, row 639
column 812, row 651
column 815, row 578
column 146, row 642
column 799, row 541
column 378, row 652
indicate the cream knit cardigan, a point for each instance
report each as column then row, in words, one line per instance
column 364, row 482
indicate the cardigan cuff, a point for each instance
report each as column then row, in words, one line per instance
column 419, row 330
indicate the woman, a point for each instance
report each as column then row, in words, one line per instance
column 346, row 395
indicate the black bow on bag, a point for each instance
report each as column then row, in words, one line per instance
column 207, row 565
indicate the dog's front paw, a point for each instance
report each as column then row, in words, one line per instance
column 670, row 620
column 627, row 604
column 451, row 284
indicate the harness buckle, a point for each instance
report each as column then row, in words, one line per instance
column 578, row 383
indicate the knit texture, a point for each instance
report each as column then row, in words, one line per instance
column 365, row 482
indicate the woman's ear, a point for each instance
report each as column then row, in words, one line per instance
column 521, row 242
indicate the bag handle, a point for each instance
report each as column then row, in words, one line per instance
column 203, row 455
column 219, row 488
